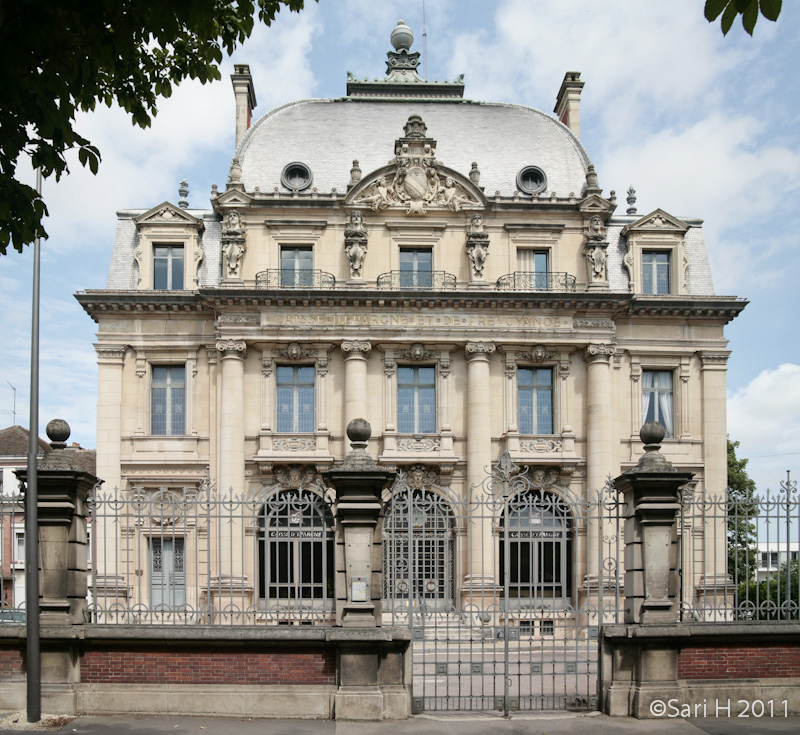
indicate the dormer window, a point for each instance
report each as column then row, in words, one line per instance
column 655, row 272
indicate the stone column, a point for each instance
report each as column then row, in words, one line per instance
column 480, row 579
column 652, row 499
column 355, row 379
column 230, row 582
column 111, row 587
column 600, row 459
column 715, row 585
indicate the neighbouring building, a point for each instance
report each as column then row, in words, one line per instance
column 450, row 270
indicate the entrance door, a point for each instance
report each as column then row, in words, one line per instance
column 167, row 574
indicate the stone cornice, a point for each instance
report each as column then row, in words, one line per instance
column 210, row 300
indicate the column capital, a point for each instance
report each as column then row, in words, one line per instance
column 598, row 353
column 479, row 350
column 356, row 349
column 232, row 348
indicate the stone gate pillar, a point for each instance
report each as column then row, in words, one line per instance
column 643, row 674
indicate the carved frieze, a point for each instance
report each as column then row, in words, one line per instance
column 414, row 181
column 593, row 323
column 237, row 319
column 295, row 444
column 540, row 446
column 294, row 475
column 413, row 444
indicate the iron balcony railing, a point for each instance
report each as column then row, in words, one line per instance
column 301, row 278
column 421, row 280
column 530, row 281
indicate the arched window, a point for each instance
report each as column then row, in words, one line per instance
column 539, row 546
column 295, row 548
column 419, row 549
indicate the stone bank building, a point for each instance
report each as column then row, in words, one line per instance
column 449, row 270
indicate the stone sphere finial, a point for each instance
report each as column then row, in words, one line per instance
column 652, row 434
column 358, row 432
column 402, row 36
column 58, row 432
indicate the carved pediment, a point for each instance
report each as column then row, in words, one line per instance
column 658, row 221
column 231, row 198
column 414, row 181
column 168, row 214
column 595, row 204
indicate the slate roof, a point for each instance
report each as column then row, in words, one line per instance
column 327, row 135
column 14, row 442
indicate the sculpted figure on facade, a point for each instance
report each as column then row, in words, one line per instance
column 233, row 243
column 595, row 251
column 477, row 246
column 355, row 243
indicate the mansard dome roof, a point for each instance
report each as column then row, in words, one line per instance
column 328, row 135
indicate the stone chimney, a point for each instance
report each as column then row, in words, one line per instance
column 245, row 99
column 568, row 102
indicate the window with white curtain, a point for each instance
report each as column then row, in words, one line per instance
column 295, row 398
column 535, row 400
column 168, row 400
column 416, row 400
column 657, row 398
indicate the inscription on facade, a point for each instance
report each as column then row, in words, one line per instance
column 403, row 321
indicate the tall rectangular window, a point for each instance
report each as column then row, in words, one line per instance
column 535, row 400
column 297, row 267
column 168, row 267
column 416, row 268
column 655, row 272
column 657, row 399
column 416, row 400
column 295, row 398
column 168, row 400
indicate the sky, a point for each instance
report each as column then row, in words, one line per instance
column 700, row 124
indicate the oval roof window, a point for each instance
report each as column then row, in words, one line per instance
column 531, row 180
column 296, row 176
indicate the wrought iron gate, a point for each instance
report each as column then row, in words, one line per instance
column 504, row 589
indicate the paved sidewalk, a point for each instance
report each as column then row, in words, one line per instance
column 457, row 724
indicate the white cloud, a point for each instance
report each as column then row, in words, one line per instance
column 764, row 417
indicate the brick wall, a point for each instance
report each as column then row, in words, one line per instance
column 12, row 667
column 739, row 662
column 158, row 666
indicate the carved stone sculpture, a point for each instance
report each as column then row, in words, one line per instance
column 595, row 251
column 355, row 243
column 233, row 244
column 477, row 246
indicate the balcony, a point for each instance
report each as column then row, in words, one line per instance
column 418, row 281
column 531, row 281
column 298, row 278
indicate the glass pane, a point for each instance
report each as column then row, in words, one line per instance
column 177, row 268
column 158, row 410
column 427, row 411
column 305, row 400
column 160, row 270
column 285, row 409
column 405, row 410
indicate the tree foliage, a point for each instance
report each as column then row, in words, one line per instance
column 60, row 57
column 742, row 510
column 748, row 9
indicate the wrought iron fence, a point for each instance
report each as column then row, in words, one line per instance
column 504, row 588
column 194, row 555
column 530, row 281
column 740, row 556
column 295, row 278
column 417, row 280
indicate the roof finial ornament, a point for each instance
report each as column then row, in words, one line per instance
column 401, row 61
column 402, row 36
column 183, row 192
column 631, row 200
column 475, row 174
column 592, row 187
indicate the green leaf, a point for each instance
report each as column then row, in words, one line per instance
column 714, row 8
column 750, row 17
column 771, row 9
column 728, row 17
